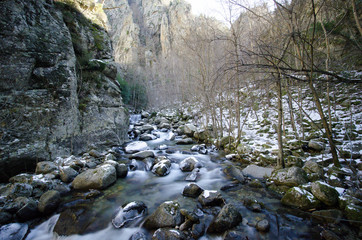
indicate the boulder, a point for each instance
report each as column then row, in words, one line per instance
column 94, row 153
column 122, row 170
column 198, row 230
column 354, row 214
column 184, row 141
column 67, row 174
column 189, row 129
column 234, row 173
column 192, row 177
column 166, row 215
column 315, row 145
column 162, row 168
column 188, row 164
column 146, row 128
column 192, row 190
column 147, row 137
column 291, row 177
column 128, row 213
column 227, row 218
column 28, row 211
column 168, row 234
column 143, row 154
column 45, row 167
column 211, row 198
column 49, row 202
column 164, row 125
column 313, row 170
column 136, row 146
column 300, row 198
column 202, row 135
column 325, row 193
column 99, row 178
column 145, row 114
column 255, row 171
column 13, row 231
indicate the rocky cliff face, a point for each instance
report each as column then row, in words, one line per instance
column 58, row 88
column 143, row 31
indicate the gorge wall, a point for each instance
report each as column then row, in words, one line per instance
column 58, row 88
column 145, row 32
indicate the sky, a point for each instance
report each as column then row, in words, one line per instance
column 214, row 8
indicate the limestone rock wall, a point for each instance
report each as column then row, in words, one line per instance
column 144, row 31
column 58, row 88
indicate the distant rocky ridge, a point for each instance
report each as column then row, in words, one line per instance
column 144, row 31
column 58, row 88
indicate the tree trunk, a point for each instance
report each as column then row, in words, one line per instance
column 280, row 162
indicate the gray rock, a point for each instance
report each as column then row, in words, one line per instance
column 211, row 198
column 145, row 114
column 99, row 178
column 227, row 218
column 162, row 168
column 317, row 146
column 313, row 170
column 49, row 201
column 235, row 235
column 143, row 154
column 184, row 141
column 291, row 177
column 192, row 177
column 300, row 198
column 45, row 167
column 147, row 137
column 128, row 213
column 255, row 171
column 328, row 216
column 202, row 135
column 198, row 230
column 263, row 225
column 192, row 190
column 67, row 174
column 325, row 193
column 122, row 170
column 13, row 231
column 94, row 153
column 138, row 236
column 136, row 146
column 234, row 173
column 188, row 164
column 189, row 130
column 166, row 215
column 164, row 125
column 146, row 128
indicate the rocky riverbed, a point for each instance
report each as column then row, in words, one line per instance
column 171, row 182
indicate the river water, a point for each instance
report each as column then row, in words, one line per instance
column 142, row 185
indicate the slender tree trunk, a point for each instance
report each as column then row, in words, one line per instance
column 355, row 14
column 291, row 111
column 280, row 162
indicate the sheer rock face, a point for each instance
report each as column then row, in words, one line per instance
column 142, row 31
column 47, row 108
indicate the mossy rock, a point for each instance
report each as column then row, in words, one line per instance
column 300, row 198
column 354, row 214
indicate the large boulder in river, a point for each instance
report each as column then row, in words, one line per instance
column 325, row 193
column 291, row 177
column 227, row 218
column 234, row 173
column 49, row 201
column 128, row 213
column 188, row 164
column 162, row 168
column 143, row 154
column 147, row 137
column 136, row 146
column 192, row 190
column 255, row 171
column 211, row 198
column 166, row 215
column 168, row 234
column 184, row 141
column 99, row 178
column 300, row 198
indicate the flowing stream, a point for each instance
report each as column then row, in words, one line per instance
column 142, row 185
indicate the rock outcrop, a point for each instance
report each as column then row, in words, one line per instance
column 58, row 88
